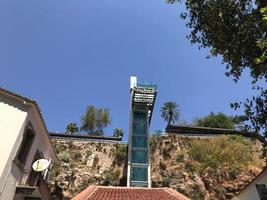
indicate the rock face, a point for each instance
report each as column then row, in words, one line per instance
column 172, row 165
column 82, row 163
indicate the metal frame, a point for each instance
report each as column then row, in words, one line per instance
column 143, row 98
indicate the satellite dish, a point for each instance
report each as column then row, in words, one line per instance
column 40, row 165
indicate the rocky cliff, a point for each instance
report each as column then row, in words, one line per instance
column 82, row 163
column 210, row 168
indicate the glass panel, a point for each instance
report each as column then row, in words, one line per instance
column 139, row 184
column 139, row 124
column 139, row 174
column 139, row 156
column 147, row 85
column 140, row 141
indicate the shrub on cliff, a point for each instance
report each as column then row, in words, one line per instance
column 64, row 157
column 228, row 151
column 120, row 154
column 112, row 177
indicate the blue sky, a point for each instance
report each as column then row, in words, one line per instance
column 67, row 54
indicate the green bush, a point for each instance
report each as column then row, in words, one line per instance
column 112, row 177
column 191, row 166
column 64, row 157
column 88, row 152
column 56, row 147
column 166, row 153
column 162, row 165
column 166, row 180
column 221, row 192
column 180, row 156
column 232, row 151
column 55, row 169
column 96, row 161
column 76, row 155
column 198, row 192
column 153, row 143
column 120, row 154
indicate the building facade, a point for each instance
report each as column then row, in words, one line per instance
column 24, row 139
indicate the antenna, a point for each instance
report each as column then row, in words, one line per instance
column 40, row 165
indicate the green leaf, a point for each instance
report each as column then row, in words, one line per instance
column 263, row 10
column 257, row 61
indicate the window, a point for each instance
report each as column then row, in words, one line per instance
column 262, row 191
column 26, row 145
column 139, row 141
column 139, row 156
column 139, row 124
column 139, row 174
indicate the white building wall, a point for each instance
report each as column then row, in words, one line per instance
column 14, row 118
column 13, row 175
column 12, row 121
column 250, row 192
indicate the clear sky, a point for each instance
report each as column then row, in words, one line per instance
column 67, row 54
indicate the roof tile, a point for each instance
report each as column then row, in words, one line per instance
column 126, row 193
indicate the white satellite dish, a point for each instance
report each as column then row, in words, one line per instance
column 40, row 165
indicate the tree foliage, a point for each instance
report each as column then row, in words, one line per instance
column 71, row 128
column 118, row 132
column 262, row 43
column 235, row 30
column 213, row 120
column 170, row 112
column 95, row 120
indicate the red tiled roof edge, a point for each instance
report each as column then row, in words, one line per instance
column 176, row 194
column 86, row 193
column 89, row 191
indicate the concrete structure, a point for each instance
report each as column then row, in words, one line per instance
column 256, row 189
column 24, row 139
column 142, row 103
column 208, row 132
column 75, row 137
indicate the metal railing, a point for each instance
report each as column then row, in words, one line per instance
column 147, row 85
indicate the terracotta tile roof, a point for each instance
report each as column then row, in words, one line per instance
column 124, row 193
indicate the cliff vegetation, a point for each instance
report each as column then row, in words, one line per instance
column 206, row 168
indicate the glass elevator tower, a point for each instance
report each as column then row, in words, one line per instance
column 142, row 102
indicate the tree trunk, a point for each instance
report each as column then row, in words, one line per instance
column 170, row 119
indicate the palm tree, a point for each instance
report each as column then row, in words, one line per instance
column 170, row 112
